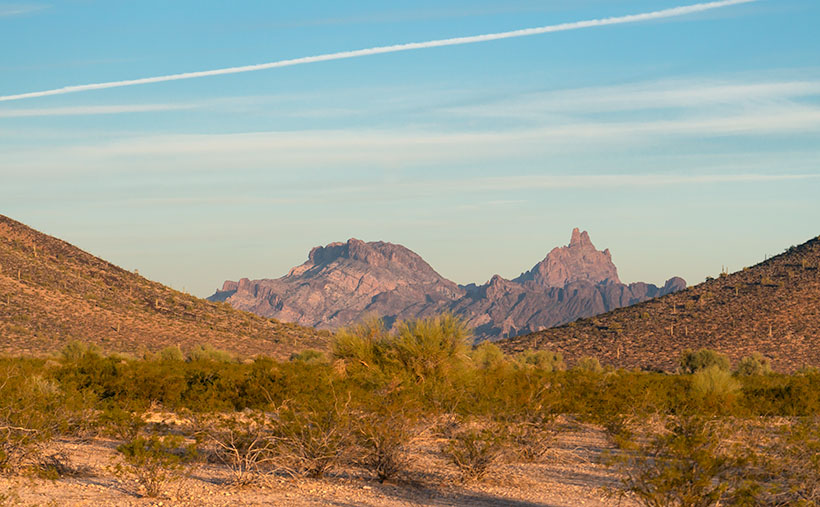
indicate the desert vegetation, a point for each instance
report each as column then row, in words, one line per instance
column 710, row 434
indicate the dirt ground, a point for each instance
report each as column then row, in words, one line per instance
column 572, row 475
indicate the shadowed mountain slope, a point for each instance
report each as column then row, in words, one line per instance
column 772, row 308
column 341, row 283
column 52, row 292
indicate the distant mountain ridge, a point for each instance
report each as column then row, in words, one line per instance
column 342, row 283
column 772, row 308
column 52, row 293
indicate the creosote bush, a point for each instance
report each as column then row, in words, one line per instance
column 155, row 462
column 475, row 450
column 246, row 443
column 312, row 441
column 384, row 440
column 685, row 466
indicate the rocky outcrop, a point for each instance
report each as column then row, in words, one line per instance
column 342, row 283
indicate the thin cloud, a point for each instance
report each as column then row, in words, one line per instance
column 632, row 18
column 673, row 94
column 7, row 10
column 397, row 148
column 93, row 110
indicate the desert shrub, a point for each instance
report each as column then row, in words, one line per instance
column 533, row 439
column 714, row 381
column 31, row 412
column 171, row 353
column 432, row 348
column 155, row 462
column 545, row 360
column 313, row 440
column 207, row 352
column 683, row 466
column 795, row 464
column 475, row 450
column 589, row 364
column 756, row 364
column 361, row 344
column 119, row 423
column 693, row 361
column 384, row 439
column 57, row 465
column 76, row 351
column 487, row 356
column 245, row 443
column 308, row 356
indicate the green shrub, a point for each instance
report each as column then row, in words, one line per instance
column 714, row 381
column 119, row 423
column 545, row 360
column 487, row 356
column 755, row 364
column 31, row 413
column 207, row 352
column 308, row 356
column 589, row 364
column 683, row 466
column 171, row 353
column 75, row 351
column 361, row 344
column 693, row 361
column 432, row 348
column 155, row 462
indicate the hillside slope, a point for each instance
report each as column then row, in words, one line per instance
column 772, row 308
column 52, row 292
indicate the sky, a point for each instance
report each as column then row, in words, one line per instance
column 684, row 144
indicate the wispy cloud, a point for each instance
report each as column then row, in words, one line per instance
column 7, row 10
column 669, row 94
column 93, row 110
column 455, row 41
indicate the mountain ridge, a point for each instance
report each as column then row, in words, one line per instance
column 772, row 308
column 343, row 282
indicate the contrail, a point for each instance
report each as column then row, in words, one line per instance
column 632, row 18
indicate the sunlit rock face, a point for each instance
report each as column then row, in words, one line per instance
column 342, row 283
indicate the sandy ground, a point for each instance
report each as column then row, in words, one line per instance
column 570, row 476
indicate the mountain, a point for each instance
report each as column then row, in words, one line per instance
column 772, row 308
column 52, row 293
column 342, row 283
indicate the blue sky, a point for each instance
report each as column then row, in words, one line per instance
column 682, row 144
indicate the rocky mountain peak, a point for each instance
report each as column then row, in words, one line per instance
column 577, row 261
column 579, row 238
column 375, row 254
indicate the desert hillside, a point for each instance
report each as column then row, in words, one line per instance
column 52, row 293
column 772, row 308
